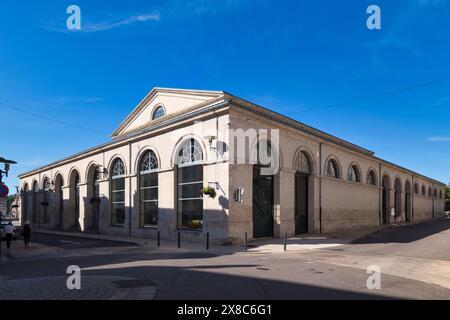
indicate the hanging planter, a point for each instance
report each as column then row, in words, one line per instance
column 209, row 191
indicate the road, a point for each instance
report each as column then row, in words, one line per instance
column 120, row 270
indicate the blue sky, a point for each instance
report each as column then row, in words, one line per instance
column 291, row 56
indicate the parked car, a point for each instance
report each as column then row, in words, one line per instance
column 2, row 230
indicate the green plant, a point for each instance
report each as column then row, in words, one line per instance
column 447, row 198
column 209, row 191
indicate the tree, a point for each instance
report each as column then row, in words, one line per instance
column 447, row 198
column 9, row 202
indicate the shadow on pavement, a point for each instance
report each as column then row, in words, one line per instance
column 406, row 233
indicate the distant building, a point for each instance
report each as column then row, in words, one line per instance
column 149, row 177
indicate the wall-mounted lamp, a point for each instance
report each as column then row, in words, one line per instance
column 210, row 139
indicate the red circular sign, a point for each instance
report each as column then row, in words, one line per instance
column 4, row 191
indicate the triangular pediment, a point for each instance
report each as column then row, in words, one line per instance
column 172, row 100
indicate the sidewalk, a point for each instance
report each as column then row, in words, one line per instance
column 267, row 245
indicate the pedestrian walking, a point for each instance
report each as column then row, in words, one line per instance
column 26, row 233
column 9, row 231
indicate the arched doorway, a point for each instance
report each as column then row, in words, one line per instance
column 24, row 209
column 386, row 199
column 263, row 192
column 46, row 200
column 92, row 217
column 74, row 196
column 59, row 201
column 36, row 207
column 398, row 198
column 408, row 202
column 303, row 170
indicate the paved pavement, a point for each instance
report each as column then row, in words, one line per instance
column 412, row 267
column 72, row 242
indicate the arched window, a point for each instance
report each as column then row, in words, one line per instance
column 158, row 113
column 423, row 190
column 440, row 194
column 353, row 174
column 371, row 178
column 148, row 185
column 435, row 193
column 416, row 188
column 332, row 169
column 302, row 163
column 118, row 192
column 46, row 200
column 190, row 184
column 430, row 192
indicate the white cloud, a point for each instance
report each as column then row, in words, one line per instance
column 79, row 99
column 432, row 2
column 439, row 139
column 89, row 27
column 443, row 101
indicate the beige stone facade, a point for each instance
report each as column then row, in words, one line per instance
column 358, row 190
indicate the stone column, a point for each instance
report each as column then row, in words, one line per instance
column 402, row 217
column 67, row 207
column 286, row 202
column 391, row 205
column 84, row 206
column 104, row 220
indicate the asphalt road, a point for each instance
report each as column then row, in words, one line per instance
column 242, row 275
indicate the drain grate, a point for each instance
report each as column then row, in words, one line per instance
column 134, row 283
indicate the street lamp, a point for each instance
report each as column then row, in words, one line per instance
column 7, row 163
column 5, row 172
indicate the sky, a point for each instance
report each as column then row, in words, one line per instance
column 304, row 59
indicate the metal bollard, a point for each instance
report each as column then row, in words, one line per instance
column 245, row 242
column 285, row 240
column 158, row 238
column 179, row 240
column 207, row 241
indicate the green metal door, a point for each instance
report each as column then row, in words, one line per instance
column 262, row 204
column 301, row 203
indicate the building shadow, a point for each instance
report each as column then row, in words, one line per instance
column 406, row 233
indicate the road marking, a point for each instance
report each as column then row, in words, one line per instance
column 68, row 241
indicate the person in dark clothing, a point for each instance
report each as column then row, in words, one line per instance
column 9, row 231
column 26, row 232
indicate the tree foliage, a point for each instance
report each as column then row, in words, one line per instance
column 447, row 198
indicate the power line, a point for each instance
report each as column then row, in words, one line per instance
column 51, row 119
column 387, row 93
